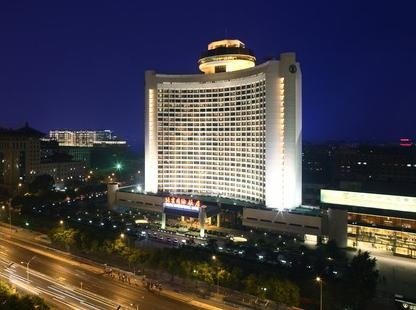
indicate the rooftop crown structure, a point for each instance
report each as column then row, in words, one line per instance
column 234, row 132
column 226, row 56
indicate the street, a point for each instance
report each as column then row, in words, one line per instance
column 67, row 284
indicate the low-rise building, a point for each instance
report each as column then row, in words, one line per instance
column 385, row 222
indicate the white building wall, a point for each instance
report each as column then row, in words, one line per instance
column 150, row 130
column 283, row 221
column 283, row 134
column 292, row 165
column 274, row 172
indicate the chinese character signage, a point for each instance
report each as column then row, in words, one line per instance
column 182, row 203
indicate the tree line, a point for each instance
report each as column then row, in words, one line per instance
column 10, row 300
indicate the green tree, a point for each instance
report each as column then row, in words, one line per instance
column 39, row 303
column 284, row 292
column 66, row 238
column 9, row 300
column 252, row 284
column 359, row 283
column 5, row 291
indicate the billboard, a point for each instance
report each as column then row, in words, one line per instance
column 371, row 201
column 182, row 204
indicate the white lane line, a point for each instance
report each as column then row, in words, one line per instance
column 94, row 297
column 66, row 293
column 88, row 295
column 100, row 299
column 66, row 304
column 24, row 286
column 90, row 306
column 50, row 293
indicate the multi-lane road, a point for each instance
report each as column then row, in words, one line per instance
column 69, row 284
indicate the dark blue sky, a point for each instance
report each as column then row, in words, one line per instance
column 80, row 64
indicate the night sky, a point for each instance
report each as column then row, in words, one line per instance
column 80, row 64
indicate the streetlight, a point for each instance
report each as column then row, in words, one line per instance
column 123, row 236
column 214, row 258
column 10, row 214
column 319, row 280
column 61, row 222
column 27, row 265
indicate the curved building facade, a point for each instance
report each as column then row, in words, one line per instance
column 234, row 134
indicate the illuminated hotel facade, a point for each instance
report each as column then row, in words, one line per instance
column 233, row 132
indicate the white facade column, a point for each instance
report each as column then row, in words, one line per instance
column 290, row 71
column 163, row 221
column 150, row 134
column 274, row 137
column 218, row 220
column 283, row 176
column 202, row 216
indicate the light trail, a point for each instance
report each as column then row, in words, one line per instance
column 66, row 295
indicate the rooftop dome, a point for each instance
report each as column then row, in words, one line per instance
column 226, row 56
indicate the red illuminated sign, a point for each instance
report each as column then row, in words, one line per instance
column 183, row 202
column 406, row 142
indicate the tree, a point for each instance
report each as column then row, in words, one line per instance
column 284, row 292
column 359, row 283
column 234, row 281
column 252, row 285
column 65, row 237
column 38, row 303
column 5, row 291
column 9, row 300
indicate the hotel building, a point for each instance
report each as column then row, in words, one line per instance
column 234, row 131
column 228, row 141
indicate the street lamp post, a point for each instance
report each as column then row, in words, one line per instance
column 214, row 258
column 124, row 237
column 27, row 265
column 319, row 280
column 10, row 215
column 218, row 281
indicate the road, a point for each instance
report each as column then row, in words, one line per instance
column 58, row 280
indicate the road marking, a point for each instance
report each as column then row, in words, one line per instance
column 65, row 293
column 90, row 305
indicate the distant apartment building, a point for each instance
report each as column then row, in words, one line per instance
column 84, row 138
column 95, row 148
column 19, row 155
column 62, row 171
column 389, row 169
column 22, row 158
